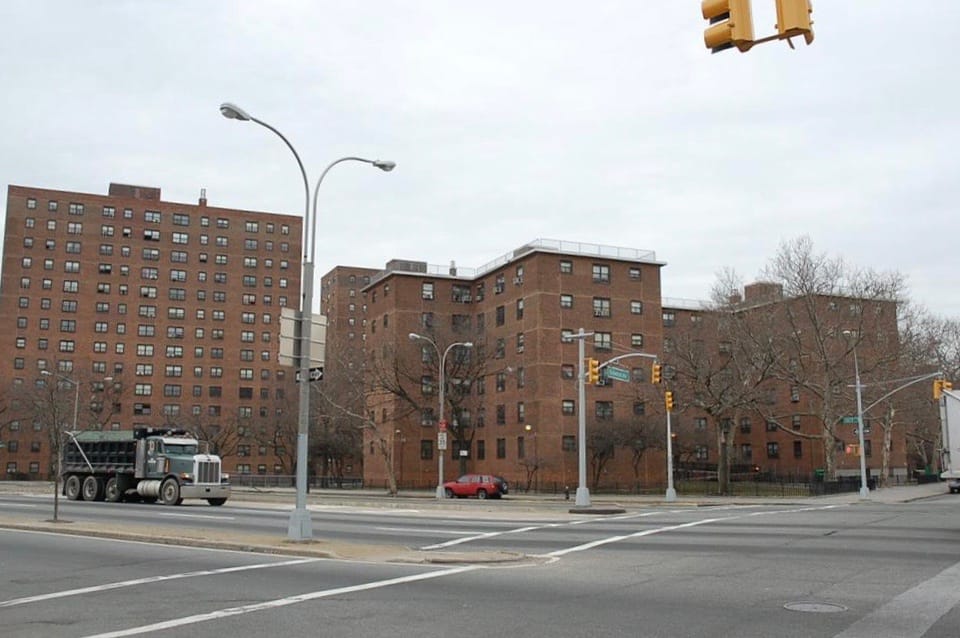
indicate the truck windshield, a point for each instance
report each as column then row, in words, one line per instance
column 175, row 448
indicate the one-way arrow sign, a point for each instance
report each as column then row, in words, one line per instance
column 316, row 374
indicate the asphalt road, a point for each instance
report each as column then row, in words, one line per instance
column 832, row 570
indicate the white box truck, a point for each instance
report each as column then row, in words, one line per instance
column 950, row 450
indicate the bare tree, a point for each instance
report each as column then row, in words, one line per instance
column 806, row 333
column 717, row 373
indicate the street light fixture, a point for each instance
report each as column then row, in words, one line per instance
column 442, row 374
column 300, row 526
column 864, row 490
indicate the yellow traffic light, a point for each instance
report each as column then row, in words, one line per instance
column 731, row 24
column 668, row 400
column 939, row 385
column 656, row 373
column 593, row 371
column 793, row 18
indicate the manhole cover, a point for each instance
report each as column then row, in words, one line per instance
column 815, row 608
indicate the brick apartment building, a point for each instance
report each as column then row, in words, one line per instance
column 176, row 304
column 179, row 305
column 511, row 398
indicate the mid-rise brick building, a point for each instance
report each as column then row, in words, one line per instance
column 511, row 398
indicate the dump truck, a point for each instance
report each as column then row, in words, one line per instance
column 950, row 450
column 143, row 464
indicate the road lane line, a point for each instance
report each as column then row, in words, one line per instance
column 206, row 516
column 670, row 528
column 280, row 602
column 468, row 539
column 417, row 530
column 149, row 579
column 913, row 612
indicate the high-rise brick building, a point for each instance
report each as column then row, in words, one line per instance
column 176, row 304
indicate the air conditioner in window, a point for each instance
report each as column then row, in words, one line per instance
column 517, row 280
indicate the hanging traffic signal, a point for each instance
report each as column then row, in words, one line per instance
column 793, row 18
column 656, row 373
column 731, row 24
column 593, row 371
column 668, row 400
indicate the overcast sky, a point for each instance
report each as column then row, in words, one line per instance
column 601, row 122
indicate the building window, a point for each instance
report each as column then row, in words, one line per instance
column 426, row 384
column 602, row 341
column 636, row 307
column 427, row 290
column 601, row 307
column 636, row 340
column 519, row 308
column 426, row 449
column 501, row 448
column 773, row 450
column 601, row 273
column 745, row 425
column 501, row 313
column 700, row 452
column 746, row 452
column 603, row 410
column 639, row 408
column 520, row 343
column 569, row 443
column 798, row 449
column 566, row 266
column 566, row 301
column 567, row 371
column 568, row 407
column 669, row 318
column 634, row 273
column 501, row 415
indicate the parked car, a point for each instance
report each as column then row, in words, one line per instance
column 479, row 485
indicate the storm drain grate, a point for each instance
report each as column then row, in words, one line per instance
column 815, row 608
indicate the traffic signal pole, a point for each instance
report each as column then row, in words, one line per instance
column 583, row 493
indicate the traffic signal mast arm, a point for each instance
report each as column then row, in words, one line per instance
column 627, row 356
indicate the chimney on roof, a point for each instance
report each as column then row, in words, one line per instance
column 203, row 197
column 453, row 268
column 762, row 291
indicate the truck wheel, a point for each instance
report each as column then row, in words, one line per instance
column 92, row 488
column 111, row 492
column 71, row 488
column 170, row 492
column 216, row 502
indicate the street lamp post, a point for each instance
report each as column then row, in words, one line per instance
column 864, row 490
column 442, row 374
column 300, row 526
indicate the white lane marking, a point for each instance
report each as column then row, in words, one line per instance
column 149, row 579
column 468, row 539
column 280, row 602
column 24, row 505
column 913, row 612
column 670, row 528
column 206, row 516
column 416, row 530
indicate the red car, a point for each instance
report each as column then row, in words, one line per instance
column 479, row 485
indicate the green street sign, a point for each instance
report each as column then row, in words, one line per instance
column 850, row 420
column 617, row 373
